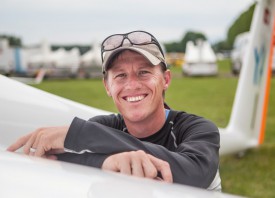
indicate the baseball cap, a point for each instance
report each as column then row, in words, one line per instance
column 141, row 42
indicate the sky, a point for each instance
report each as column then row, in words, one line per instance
column 89, row 21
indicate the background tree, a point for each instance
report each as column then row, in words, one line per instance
column 180, row 46
column 13, row 40
column 240, row 25
column 82, row 48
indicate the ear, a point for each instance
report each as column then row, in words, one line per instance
column 107, row 87
column 167, row 79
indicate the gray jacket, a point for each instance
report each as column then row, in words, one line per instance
column 189, row 143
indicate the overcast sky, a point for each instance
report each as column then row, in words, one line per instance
column 87, row 21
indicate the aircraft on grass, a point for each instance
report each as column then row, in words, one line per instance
column 24, row 108
column 200, row 59
column 59, row 63
column 90, row 62
column 28, row 61
column 238, row 53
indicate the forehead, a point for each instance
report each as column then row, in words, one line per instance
column 128, row 56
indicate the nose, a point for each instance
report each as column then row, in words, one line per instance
column 133, row 82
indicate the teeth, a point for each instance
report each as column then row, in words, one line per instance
column 134, row 99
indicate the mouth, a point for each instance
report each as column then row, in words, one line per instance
column 134, row 98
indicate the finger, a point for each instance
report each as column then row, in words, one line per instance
column 109, row 164
column 41, row 149
column 125, row 167
column 149, row 169
column 158, row 178
column 136, row 166
column 32, row 152
column 30, row 144
column 163, row 167
column 19, row 143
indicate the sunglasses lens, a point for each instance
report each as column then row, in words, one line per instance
column 139, row 38
column 113, row 42
column 134, row 38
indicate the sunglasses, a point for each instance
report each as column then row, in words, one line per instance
column 135, row 38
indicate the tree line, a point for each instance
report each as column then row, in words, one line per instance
column 14, row 41
column 240, row 25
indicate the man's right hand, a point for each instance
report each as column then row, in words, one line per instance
column 44, row 142
column 138, row 163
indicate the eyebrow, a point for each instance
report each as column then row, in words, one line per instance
column 115, row 70
column 145, row 64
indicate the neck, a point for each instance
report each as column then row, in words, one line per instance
column 147, row 127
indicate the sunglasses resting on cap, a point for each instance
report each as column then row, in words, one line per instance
column 139, row 41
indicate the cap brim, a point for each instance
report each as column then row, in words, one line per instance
column 154, row 60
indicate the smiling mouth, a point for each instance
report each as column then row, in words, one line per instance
column 135, row 98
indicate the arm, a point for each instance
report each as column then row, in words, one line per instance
column 194, row 162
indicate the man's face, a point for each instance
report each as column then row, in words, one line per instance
column 136, row 86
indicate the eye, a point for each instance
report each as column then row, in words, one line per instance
column 143, row 72
column 120, row 75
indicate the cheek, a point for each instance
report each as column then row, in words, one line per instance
column 158, row 83
column 160, row 80
column 113, row 89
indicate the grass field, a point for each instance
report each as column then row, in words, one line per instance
column 252, row 175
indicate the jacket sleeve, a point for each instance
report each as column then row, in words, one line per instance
column 194, row 162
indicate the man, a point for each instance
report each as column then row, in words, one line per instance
column 146, row 139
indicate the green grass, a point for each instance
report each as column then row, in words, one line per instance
column 252, row 175
column 90, row 92
column 203, row 96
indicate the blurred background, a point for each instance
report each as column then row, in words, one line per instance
column 58, row 43
column 64, row 37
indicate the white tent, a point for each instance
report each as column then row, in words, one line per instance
column 5, row 57
column 200, row 53
column 56, row 63
column 200, row 59
column 92, row 57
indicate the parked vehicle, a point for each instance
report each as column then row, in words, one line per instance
column 200, row 59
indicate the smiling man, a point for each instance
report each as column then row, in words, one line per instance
column 136, row 87
column 147, row 138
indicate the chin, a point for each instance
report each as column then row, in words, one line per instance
column 135, row 116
